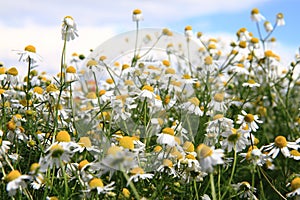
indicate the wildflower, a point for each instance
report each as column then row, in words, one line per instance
column 268, row 26
column 15, row 181
column 126, row 192
column 295, row 154
column 147, row 93
column 68, row 29
column 96, row 184
column 167, row 167
column 295, row 186
column 188, row 31
column 255, row 156
column 86, row 144
column 166, row 137
column 29, row 53
column 240, row 69
column 280, row 144
column 192, row 106
column 256, row 16
column 251, row 83
column 4, row 146
column 250, row 120
column 217, row 103
column 137, row 15
column 71, row 74
column 280, row 19
column 138, row 173
column 209, row 157
column 235, row 139
column 245, row 190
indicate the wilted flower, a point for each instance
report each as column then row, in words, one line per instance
column 69, row 28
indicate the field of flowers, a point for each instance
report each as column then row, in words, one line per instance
column 221, row 123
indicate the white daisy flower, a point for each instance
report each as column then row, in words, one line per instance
column 209, row 157
column 256, row 16
column 29, row 53
column 280, row 144
column 236, row 139
column 250, row 120
column 69, row 29
column 137, row 15
column 15, row 181
column 245, row 190
column 251, row 83
column 280, row 19
column 192, row 106
column 166, row 137
column 138, row 173
column 96, row 184
column 217, row 103
column 295, row 186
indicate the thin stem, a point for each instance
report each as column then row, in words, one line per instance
column 212, row 184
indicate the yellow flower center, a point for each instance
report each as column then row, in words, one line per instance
column 113, row 150
column 219, row 97
column 170, row 71
column 254, row 40
column 101, row 92
column 208, row 60
column 204, row 151
column 128, row 82
column 188, row 28
column 11, row 125
column 30, row 48
column 51, row 88
column 96, row 182
column 126, row 142
column 254, row 11
column 148, row 87
column 82, row 164
column 109, row 81
column 13, row 71
column 195, row 101
column 167, row 163
column 126, row 192
column 137, row 170
column 186, row 76
column 137, row 12
column 91, row 95
column 157, row 149
column 280, row 141
column 242, row 44
column 234, row 136
column 279, row 16
column 125, row 66
column 102, row 58
column 249, row 118
column 218, row 116
column 269, row 53
column 63, row 136
column 38, row 90
column 294, row 152
column 14, row 174
column 34, row 167
column 188, row 146
column 168, row 130
column 2, row 91
column 85, row 142
column 57, row 150
column 91, row 63
column 71, row 70
column 295, row 184
column 2, row 70
column 190, row 156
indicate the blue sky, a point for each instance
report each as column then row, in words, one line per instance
column 38, row 22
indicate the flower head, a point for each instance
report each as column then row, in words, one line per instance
column 250, row 120
column 69, row 29
column 137, row 15
column 256, row 16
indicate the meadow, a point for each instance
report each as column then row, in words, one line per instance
column 173, row 116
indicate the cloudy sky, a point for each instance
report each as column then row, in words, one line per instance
column 38, row 23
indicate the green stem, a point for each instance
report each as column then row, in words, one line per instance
column 212, row 184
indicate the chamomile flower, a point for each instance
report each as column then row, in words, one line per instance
column 147, row 93
column 217, row 103
column 15, row 180
column 235, row 139
column 280, row 19
column 138, row 173
column 188, row 31
column 29, row 53
column 254, row 156
column 268, row 26
column 256, row 16
column 166, row 137
column 280, row 144
column 69, row 29
column 250, row 120
column 137, row 15
column 295, row 186
column 192, row 106
column 167, row 167
column 209, row 157
column 96, row 184
column 245, row 190
column 251, row 83
column 295, row 154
